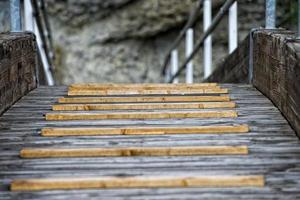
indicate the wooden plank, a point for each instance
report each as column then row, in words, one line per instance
column 145, row 92
column 136, row 182
column 132, row 151
column 143, row 86
column 143, row 99
column 144, row 130
column 141, row 115
column 144, row 106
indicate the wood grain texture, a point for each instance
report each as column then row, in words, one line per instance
column 142, row 106
column 136, row 182
column 143, row 99
column 276, row 71
column 144, row 130
column 133, row 151
column 274, row 151
column 145, row 92
column 143, row 86
column 141, row 115
column 17, row 67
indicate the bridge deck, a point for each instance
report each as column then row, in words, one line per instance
column 274, row 151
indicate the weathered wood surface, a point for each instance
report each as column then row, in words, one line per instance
column 142, row 86
column 140, row 115
column 145, row 106
column 138, row 182
column 171, row 91
column 132, row 151
column 137, row 99
column 275, row 59
column 276, row 72
column 17, row 67
column 274, row 151
column 144, row 130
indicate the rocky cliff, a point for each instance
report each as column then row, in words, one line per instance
column 126, row 40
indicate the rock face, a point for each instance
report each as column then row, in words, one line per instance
column 126, row 40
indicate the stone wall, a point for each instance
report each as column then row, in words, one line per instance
column 17, row 67
column 126, row 40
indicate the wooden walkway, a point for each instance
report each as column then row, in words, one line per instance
column 242, row 149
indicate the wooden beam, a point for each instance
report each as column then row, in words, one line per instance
column 141, row 115
column 144, row 86
column 135, row 182
column 144, row 130
column 145, row 92
column 132, row 151
column 143, row 106
column 143, row 99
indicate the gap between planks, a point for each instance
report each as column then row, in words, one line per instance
column 141, row 115
column 143, row 106
column 143, row 99
column 75, row 92
column 136, row 182
column 144, row 130
column 132, row 151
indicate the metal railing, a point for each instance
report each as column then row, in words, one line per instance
column 31, row 15
column 230, row 6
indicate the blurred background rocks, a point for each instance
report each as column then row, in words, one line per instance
column 126, row 40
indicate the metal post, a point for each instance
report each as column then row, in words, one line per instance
column 15, row 16
column 233, row 27
column 167, row 74
column 174, row 64
column 270, row 14
column 46, row 66
column 28, row 16
column 189, row 45
column 207, row 60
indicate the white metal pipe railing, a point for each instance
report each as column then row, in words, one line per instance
column 30, row 23
column 233, row 27
column 217, row 19
column 28, row 16
column 174, row 64
column 46, row 66
column 15, row 16
column 207, row 51
column 189, row 45
column 209, row 26
column 270, row 14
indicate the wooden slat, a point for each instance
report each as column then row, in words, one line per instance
column 143, row 99
column 143, row 106
column 144, row 86
column 133, row 151
column 136, row 182
column 144, row 130
column 145, row 92
column 141, row 115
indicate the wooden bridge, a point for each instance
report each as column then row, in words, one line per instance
column 161, row 141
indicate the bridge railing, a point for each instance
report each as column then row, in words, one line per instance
column 171, row 68
column 31, row 15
